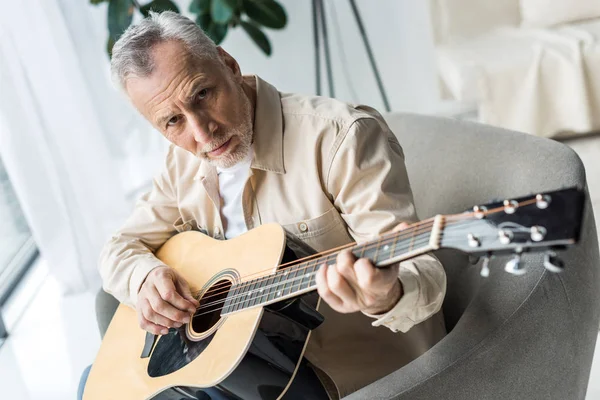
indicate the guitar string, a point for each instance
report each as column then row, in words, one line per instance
column 448, row 221
column 369, row 246
column 385, row 236
column 455, row 219
column 310, row 265
column 366, row 247
column 372, row 245
column 284, row 283
column 311, row 274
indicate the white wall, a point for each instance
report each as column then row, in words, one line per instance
column 401, row 40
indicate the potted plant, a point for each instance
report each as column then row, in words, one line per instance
column 215, row 17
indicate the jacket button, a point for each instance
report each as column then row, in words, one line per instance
column 187, row 227
column 303, row 227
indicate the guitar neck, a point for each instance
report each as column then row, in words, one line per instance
column 294, row 280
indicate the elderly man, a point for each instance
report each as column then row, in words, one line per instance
column 244, row 154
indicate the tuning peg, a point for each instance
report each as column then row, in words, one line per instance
column 513, row 266
column 552, row 263
column 542, row 201
column 485, row 269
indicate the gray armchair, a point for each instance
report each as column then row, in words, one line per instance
column 528, row 337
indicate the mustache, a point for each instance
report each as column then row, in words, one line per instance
column 216, row 146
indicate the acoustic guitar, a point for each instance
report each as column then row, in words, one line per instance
column 258, row 302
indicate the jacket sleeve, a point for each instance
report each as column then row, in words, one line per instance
column 128, row 257
column 368, row 181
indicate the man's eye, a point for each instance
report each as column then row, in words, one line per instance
column 202, row 94
column 174, row 120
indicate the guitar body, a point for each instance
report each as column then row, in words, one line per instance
column 252, row 354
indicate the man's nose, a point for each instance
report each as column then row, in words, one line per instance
column 202, row 129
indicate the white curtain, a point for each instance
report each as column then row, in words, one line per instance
column 76, row 152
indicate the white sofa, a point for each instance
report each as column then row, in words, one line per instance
column 540, row 80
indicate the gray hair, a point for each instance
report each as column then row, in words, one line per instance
column 131, row 54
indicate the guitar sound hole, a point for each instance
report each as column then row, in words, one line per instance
column 211, row 304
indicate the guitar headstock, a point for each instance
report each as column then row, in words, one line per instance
column 540, row 222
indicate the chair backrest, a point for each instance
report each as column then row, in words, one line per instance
column 539, row 320
column 456, row 20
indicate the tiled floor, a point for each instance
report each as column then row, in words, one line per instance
column 56, row 336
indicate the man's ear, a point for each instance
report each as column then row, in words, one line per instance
column 230, row 62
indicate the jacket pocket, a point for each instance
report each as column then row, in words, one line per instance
column 184, row 225
column 324, row 232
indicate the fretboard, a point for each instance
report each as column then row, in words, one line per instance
column 296, row 279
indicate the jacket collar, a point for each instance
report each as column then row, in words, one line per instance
column 268, row 133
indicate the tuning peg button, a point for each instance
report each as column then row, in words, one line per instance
column 485, row 267
column 510, row 206
column 542, row 201
column 480, row 211
column 513, row 266
column 552, row 263
column 538, row 233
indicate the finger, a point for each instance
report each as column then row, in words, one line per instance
column 340, row 288
column 151, row 327
column 184, row 289
column 149, row 314
column 345, row 267
column 400, row 227
column 345, row 257
column 169, row 293
column 366, row 274
column 324, row 291
column 174, row 316
column 371, row 279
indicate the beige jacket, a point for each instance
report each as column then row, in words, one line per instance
column 330, row 173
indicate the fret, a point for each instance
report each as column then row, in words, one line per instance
column 229, row 299
column 297, row 277
column 308, row 268
column 288, row 275
column 264, row 289
column 252, row 291
column 412, row 240
column 386, row 250
column 237, row 304
column 273, row 288
column 280, row 284
column 362, row 251
column 312, row 269
column 376, row 252
column 370, row 253
column 245, row 294
column 394, row 244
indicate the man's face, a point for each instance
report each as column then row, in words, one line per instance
column 198, row 105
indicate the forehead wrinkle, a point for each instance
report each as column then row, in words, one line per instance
column 165, row 95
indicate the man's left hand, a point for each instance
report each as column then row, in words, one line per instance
column 357, row 285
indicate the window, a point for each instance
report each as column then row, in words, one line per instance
column 17, row 249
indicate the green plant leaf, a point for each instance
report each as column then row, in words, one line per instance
column 120, row 14
column 258, row 36
column 221, row 11
column 109, row 46
column 200, row 7
column 216, row 32
column 266, row 12
column 98, row 1
column 159, row 6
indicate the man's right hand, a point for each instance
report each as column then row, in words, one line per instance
column 164, row 301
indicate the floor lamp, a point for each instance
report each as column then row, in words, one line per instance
column 320, row 25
